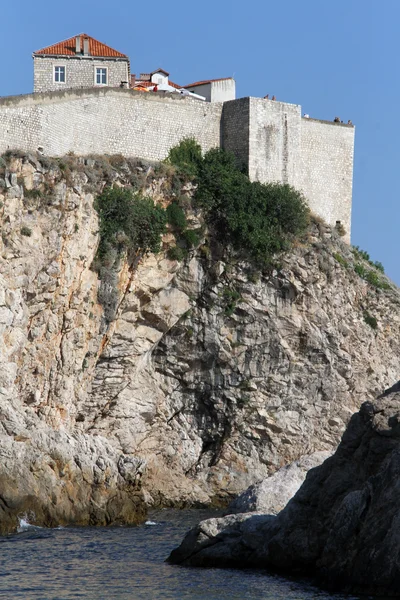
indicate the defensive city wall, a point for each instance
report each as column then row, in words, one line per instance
column 271, row 138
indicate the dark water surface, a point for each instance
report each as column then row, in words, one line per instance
column 127, row 563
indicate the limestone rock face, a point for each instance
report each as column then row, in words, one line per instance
column 50, row 336
column 212, row 375
column 342, row 525
column 271, row 495
column 245, row 375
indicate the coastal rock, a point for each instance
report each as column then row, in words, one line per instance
column 342, row 526
column 271, row 495
column 213, row 374
column 51, row 478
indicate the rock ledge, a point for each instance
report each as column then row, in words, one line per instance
column 343, row 525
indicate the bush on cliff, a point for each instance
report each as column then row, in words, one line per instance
column 128, row 222
column 256, row 219
column 186, row 156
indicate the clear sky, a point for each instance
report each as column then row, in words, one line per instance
column 334, row 58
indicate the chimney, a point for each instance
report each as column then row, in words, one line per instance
column 78, row 44
column 86, row 47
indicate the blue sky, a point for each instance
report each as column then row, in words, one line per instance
column 333, row 58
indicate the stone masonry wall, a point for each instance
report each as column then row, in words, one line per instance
column 268, row 137
column 274, row 140
column 313, row 156
column 325, row 170
column 79, row 72
column 106, row 121
column 235, row 128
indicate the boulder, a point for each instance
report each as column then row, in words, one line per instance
column 271, row 495
column 342, row 526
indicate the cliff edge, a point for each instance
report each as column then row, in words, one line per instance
column 173, row 382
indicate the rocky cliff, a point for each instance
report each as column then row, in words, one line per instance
column 207, row 376
column 342, row 526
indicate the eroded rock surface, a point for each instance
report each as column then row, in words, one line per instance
column 343, row 525
column 213, row 375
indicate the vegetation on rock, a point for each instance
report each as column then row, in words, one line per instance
column 128, row 223
column 186, row 156
column 258, row 220
column 131, row 224
column 185, row 238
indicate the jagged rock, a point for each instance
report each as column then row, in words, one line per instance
column 342, row 526
column 271, row 495
column 54, row 478
column 213, row 394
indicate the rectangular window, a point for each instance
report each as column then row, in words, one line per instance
column 59, row 74
column 101, row 76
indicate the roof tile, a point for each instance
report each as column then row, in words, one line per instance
column 68, row 48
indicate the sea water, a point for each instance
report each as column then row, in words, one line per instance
column 127, row 563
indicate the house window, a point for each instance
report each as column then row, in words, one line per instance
column 59, row 74
column 101, row 76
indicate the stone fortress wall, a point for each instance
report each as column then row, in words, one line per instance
column 312, row 155
column 269, row 137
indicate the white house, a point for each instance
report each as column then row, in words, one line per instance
column 214, row 90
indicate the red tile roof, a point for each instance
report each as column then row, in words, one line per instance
column 206, row 81
column 135, row 82
column 143, row 83
column 68, row 48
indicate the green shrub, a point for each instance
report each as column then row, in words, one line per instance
column 230, row 298
column 360, row 270
column 361, row 253
column 358, row 253
column 191, row 238
column 370, row 320
column 176, row 216
column 177, row 219
column 257, row 219
column 186, row 156
column 34, row 193
column 341, row 260
column 176, row 253
column 26, row 231
column 371, row 276
column 128, row 222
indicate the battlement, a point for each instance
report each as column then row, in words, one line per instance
column 270, row 138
